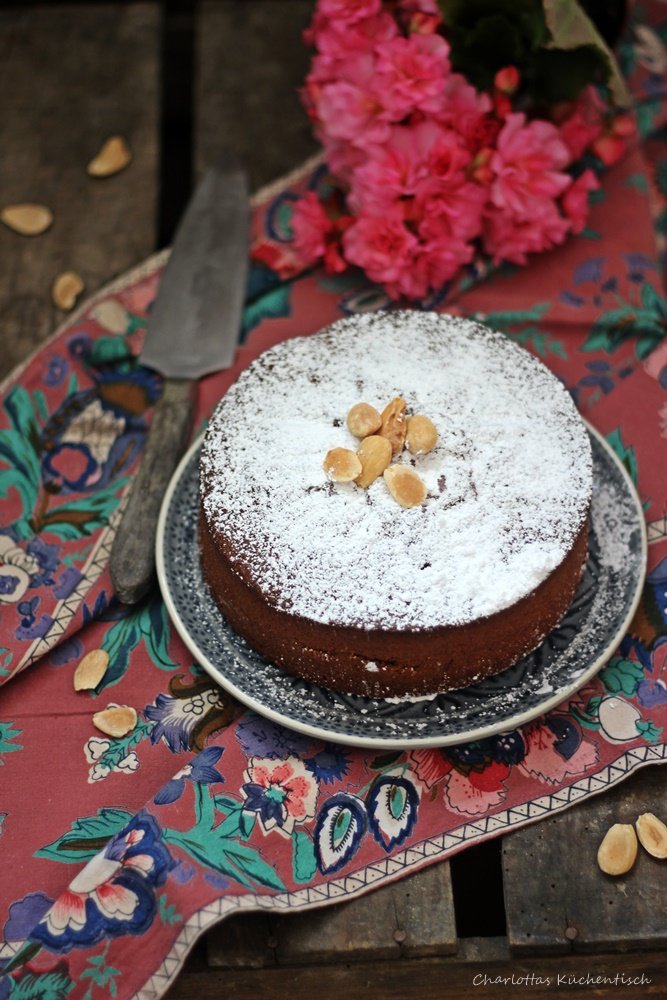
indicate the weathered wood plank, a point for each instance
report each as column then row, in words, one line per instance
column 410, row 918
column 556, row 897
column 435, row 979
column 70, row 76
column 250, row 61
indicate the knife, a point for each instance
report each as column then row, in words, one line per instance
column 192, row 330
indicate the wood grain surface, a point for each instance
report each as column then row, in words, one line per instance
column 70, row 76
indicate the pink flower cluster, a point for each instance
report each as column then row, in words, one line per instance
column 433, row 171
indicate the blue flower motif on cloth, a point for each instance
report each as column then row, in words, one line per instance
column 183, row 720
column 201, row 770
column 281, row 793
column 114, row 894
column 392, row 805
column 340, row 826
column 23, row 568
column 329, row 764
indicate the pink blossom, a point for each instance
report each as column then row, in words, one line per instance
column 527, row 165
column 507, row 80
column 411, row 73
column 584, row 124
column 337, row 40
column 430, row 766
column 282, row 792
column 348, row 112
column 542, row 760
column 381, row 245
column 510, row 237
column 465, row 110
column 310, row 225
column 349, row 10
column 575, row 199
column 462, row 796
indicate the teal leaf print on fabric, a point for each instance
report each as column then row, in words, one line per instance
column 7, row 737
column 216, row 841
column 110, row 351
column 86, row 837
column 107, row 755
column 626, row 453
column 53, row 985
column 274, row 304
column 637, row 181
column 519, row 325
column 304, row 862
column 148, row 624
column 622, row 676
column 167, row 912
column 78, row 518
column 19, row 450
column 648, row 731
column 101, row 974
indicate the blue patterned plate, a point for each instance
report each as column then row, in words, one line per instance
column 570, row 656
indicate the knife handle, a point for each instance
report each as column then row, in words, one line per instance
column 132, row 561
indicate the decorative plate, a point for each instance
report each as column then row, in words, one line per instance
column 570, row 656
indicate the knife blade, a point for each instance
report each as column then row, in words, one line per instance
column 192, row 330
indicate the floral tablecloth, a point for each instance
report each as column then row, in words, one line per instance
column 124, row 850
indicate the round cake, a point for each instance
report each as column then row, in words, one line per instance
column 338, row 583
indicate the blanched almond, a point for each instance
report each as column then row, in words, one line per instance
column 375, row 455
column 66, row 289
column 363, row 419
column 113, row 157
column 406, row 487
column 394, row 424
column 652, row 834
column 618, row 850
column 116, row 720
column 421, row 435
column 27, row 219
column 90, row 670
column 341, row 465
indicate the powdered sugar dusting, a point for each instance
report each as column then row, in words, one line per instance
column 509, row 481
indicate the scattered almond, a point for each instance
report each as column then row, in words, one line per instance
column 406, row 487
column 27, row 219
column 394, row 424
column 618, row 850
column 116, row 720
column 341, row 465
column 66, row 289
column 652, row 834
column 113, row 157
column 90, row 670
column 363, row 419
column 375, row 455
column 421, row 435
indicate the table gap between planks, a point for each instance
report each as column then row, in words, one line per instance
column 213, row 74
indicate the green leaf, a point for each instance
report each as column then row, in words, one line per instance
column 653, row 301
column 41, row 986
column 23, row 955
column 571, row 28
column 250, row 863
column 109, row 350
column 86, row 837
column 275, row 304
column 247, row 822
column 590, row 234
column 626, row 453
column 78, row 518
column 622, row 676
column 7, row 736
column 637, row 181
column 517, row 317
column 224, row 803
column 154, row 625
column 304, row 863
column 168, row 913
column 648, row 730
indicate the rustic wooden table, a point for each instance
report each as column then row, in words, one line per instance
column 180, row 81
